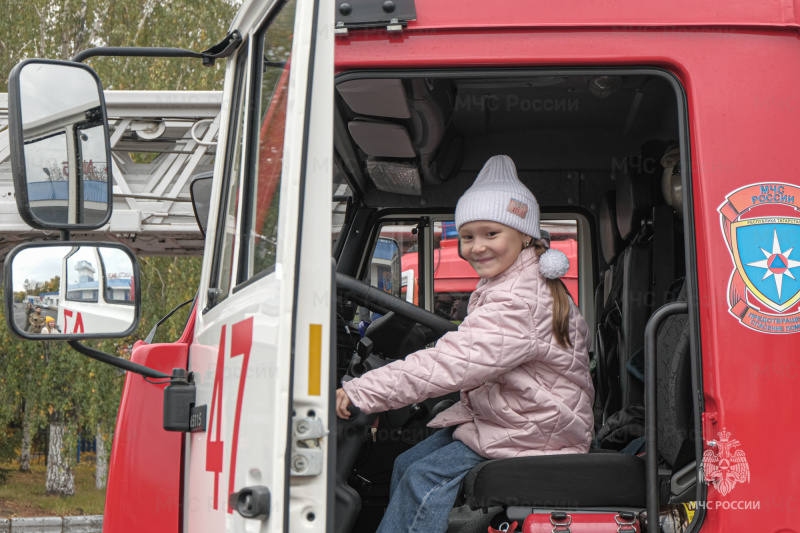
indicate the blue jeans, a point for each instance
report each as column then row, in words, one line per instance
column 425, row 483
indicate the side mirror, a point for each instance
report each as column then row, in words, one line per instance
column 72, row 291
column 59, row 144
column 200, row 190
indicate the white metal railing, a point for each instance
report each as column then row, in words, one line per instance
column 159, row 140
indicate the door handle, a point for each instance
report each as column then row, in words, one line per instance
column 251, row 502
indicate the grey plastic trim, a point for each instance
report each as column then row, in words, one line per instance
column 684, row 479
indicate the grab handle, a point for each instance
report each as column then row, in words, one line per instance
column 650, row 406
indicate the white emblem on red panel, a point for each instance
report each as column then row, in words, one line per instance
column 726, row 468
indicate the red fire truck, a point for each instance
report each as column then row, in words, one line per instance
column 663, row 132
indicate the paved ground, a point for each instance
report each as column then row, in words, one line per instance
column 20, row 316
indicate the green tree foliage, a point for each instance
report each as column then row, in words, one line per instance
column 47, row 375
column 51, row 285
column 58, row 29
column 56, row 381
column 62, row 384
column 166, row 282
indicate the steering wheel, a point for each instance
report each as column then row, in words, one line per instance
column 374, row 298
column 352, row 432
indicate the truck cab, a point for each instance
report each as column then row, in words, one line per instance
column 656, row 139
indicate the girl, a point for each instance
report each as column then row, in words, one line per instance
column 519, row 359
column 50, row 326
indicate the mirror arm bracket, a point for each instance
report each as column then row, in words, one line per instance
column 117, row 361
column 133, row 51
column 219, row 51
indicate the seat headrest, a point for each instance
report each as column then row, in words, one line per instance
column 611, row 244
column 633, row 203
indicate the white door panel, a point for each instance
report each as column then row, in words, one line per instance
column 262, row 351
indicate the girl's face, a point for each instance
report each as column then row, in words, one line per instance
column 490, row 247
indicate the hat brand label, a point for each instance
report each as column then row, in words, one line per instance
column 518, row 208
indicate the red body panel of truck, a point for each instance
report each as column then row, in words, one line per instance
column 724, row 54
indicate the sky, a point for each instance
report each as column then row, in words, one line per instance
column 42, row 264
column 77, row 88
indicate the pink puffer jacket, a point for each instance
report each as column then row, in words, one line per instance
column 522, row 393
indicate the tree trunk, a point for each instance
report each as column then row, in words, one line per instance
column 80, row 29
column 42, row 32
column 25, row 454
column 65, row 32
column 60, row 479
column 101, row 462
column 146, row 10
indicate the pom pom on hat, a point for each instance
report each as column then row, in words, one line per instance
column 553, row 264
column 498, row 196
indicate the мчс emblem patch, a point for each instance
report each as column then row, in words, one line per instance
column 763, row 237
column 726, row 468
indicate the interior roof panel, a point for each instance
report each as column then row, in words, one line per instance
column 562, row 128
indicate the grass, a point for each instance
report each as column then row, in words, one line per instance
column 23, row 494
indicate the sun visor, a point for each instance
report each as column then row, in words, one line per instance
column 377, row 98
column 397, row 177
column 382, row 139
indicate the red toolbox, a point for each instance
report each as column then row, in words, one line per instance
column 575, row 522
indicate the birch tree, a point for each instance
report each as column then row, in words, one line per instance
column 60, row 475
column 101, row 460
column 25, row 449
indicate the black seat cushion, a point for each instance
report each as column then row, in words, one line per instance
column 568, row 480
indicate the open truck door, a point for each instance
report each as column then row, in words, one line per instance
column 263, row 325
column 249, row 422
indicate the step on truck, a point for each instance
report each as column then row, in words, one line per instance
column 663, row 134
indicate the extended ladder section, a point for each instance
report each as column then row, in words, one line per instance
column 160, row 140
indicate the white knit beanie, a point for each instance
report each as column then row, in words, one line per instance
column 498, row 196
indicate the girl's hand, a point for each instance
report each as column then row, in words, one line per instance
column 342, row 402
